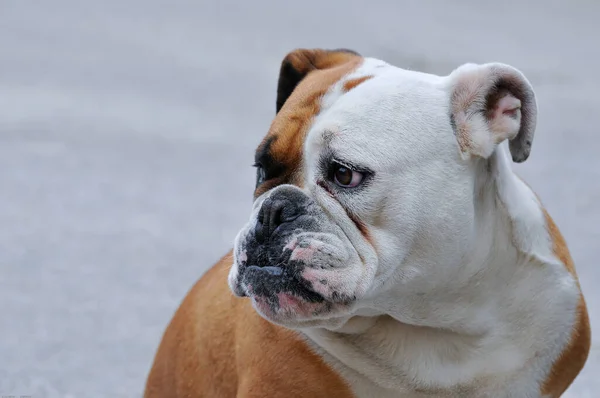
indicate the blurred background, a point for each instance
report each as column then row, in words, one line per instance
column 127, row 131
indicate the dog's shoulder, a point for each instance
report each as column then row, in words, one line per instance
column 573, row 357
column 217, row 345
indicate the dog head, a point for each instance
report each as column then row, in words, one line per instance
column 367, row 182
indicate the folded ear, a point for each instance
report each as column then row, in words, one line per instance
column 491, row 103
column 299, row 63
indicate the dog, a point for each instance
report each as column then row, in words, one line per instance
column 391, row 250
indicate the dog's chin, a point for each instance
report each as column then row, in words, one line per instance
column 294, row 312
column 286, row 308
column 285, row 300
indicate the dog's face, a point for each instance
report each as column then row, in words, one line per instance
column 366, row 182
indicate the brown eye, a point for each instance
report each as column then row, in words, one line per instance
column 346, row 177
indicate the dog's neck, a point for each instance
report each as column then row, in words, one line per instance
column 470, row 327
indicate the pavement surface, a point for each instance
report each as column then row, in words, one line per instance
column 127, row 131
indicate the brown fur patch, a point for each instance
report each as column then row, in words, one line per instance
column 350, row 84
column 218, row 346
column 291, row 124
column 574, row 356
column 306, row 60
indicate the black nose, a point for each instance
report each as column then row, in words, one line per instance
column 273, row 213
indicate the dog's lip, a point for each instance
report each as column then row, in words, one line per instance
column 239, row 290
column 296, row 286
column 271, row 270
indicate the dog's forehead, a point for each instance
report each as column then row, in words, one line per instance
column 392, row 112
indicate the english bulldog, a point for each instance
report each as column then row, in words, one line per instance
column 391, row 251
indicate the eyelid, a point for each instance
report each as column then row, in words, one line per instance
column 352, row 167
column 342, row 163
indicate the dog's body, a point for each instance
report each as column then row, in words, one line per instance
column 391, row 252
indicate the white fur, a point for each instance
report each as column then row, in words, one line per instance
column 466, row 270
column 461, row 294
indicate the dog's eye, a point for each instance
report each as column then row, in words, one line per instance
column 345, row 176
column 260, row 174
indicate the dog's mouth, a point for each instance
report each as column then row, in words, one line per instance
column 282, row 295
column 269, row 281
column 298, row 271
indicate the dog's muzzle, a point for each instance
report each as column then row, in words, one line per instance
column 265, row 263
column 295, row 262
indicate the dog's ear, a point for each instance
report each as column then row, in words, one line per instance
column 491, row 103
column 299, row 63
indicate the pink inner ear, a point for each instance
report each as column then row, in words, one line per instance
column 506, row 118
column 507, row 105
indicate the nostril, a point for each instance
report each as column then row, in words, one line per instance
column 263, row 214
column 275, row 218
column 259, row 230
column 273, row 213
column 262, row 221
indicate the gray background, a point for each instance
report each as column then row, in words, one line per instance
column 127, row 131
